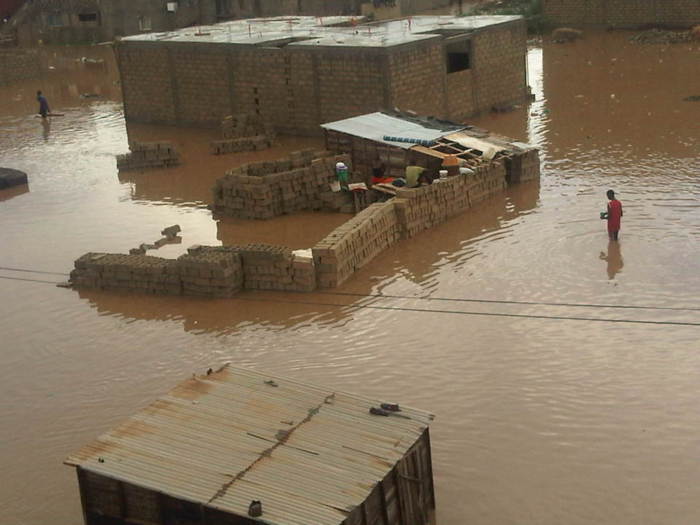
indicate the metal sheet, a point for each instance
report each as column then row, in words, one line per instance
column 310, row 454
column 376, row 126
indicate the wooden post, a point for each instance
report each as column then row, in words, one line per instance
column 82, row 486
column 385, row 511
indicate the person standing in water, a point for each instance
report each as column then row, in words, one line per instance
column 44, row 109
column 614, row 215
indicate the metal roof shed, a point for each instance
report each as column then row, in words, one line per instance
column 312, row 456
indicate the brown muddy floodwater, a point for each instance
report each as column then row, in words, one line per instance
column 540, row 420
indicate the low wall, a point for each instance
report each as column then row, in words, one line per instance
column 148, row 155
column 355, row 243
column 421, row 208
column 206, row 271
column 17, row 65
column 223, row 271
column 267, row 189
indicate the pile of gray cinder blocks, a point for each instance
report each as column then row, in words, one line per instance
column 267, row 189
column 204, row 271
column 268, row 267
column 210, row 272
column 149, row 155
column 244, row 132
column 355, row 243
column 141, row 273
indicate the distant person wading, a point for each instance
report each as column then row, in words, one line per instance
column 44, row 109
column 613, row 215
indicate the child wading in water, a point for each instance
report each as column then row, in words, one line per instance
column 613, row 215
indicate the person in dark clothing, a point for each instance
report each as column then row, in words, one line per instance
column 44, row 109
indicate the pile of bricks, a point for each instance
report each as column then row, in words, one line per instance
column 355, row 243
column 204, row 271
column 267, row 189
column 148, row 155
column 141, row 273
column 253, row 143
column 268, row 267
column 421, row 208
column 210, row 272
column 243, row 133
column 245, row 125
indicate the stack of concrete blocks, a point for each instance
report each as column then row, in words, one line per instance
column 243, row 133
column 204, row 271
column 268, row 267
column 354, row 244
column 149, row 155
column 267, row 189
column 421, row 208
column 210, row 272
column 141, row 273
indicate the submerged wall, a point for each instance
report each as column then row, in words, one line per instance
column 267, row 189
column 623, row 13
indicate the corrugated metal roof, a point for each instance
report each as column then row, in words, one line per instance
column 376, row 126
column 310, row 454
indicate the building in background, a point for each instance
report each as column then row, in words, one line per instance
column 88, row 21
column 623, row 13
column 297, row 73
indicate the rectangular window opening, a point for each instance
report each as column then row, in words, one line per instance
column 458, row 56
column 87, row 17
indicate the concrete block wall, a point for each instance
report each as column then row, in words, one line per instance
column 422, row 208
column 354, row 244
column 267, row 189
column 350, row 82
column 147, row 86
column 268, row 267
column 205, row 271
column 499, row 71
column 623, row 13
column 18, row 64
column 201, row 82
column 417, row 76
column 296, row 88
column 148, row 155
column 460, row 98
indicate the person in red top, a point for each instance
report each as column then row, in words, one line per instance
column 614, row 215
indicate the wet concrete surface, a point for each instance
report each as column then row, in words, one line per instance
column 540, row 420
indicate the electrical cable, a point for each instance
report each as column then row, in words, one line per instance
column 461, row 312
column 527, row 303
column 437, row 311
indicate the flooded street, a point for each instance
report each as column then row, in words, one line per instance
column 548, row 413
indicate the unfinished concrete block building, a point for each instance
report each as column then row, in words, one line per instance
column 296, row 73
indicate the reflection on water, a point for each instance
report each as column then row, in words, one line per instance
column 614, row 259
column 539, row 421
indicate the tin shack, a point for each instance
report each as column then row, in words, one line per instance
column 399, row 140
column 240, row 447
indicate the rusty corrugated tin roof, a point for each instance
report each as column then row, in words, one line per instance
column 310, row 454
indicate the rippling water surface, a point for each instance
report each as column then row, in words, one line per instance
column 540, row 419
